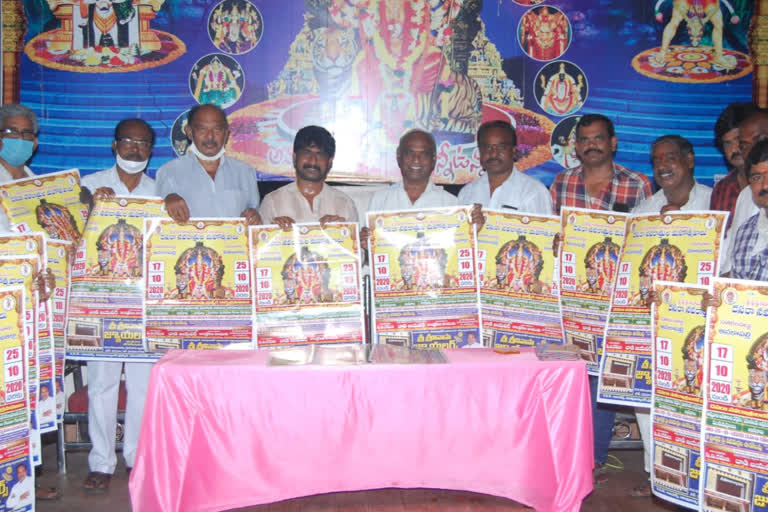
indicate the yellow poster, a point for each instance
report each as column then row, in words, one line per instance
column 589, row 261
column 49, row 202
column 424, row 275
column 197, row 284
column 518, row 279
column 13, row 385
column 307, row 283
column 58, row 255
column 105, row 313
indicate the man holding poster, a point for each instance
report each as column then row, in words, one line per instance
column 309, row 199
column 134, row 139
column 18, row 140
column 205, row 182
column 750, row 245
column 502, row 187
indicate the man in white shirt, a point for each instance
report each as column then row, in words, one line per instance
column 205, row 182
column 23, row 492
column 502, row 187
column 134, row 139
column 309, row 198
column 673, row 163
column 46, row 405
column 18, row 141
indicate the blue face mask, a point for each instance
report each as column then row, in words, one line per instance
column 16, row 151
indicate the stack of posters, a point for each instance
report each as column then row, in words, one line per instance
column 518, row 279
column 105, row 319
column 681, row 247
column 197, row 285
column 425, row 288
column 308, row 286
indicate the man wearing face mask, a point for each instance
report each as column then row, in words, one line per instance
column 18, row 136
column 132, row 146
column 205, row 182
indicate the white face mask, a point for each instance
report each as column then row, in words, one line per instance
column 205, row 158
column 130, row 166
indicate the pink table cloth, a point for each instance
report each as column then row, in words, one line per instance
column 221, row 430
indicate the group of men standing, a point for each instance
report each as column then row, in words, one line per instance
column 208, row 183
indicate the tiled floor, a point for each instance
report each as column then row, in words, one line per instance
column 610, row 497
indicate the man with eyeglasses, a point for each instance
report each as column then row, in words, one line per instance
column 502, row 187
column 18, row 143
column 749, row 257
column 206, row 182
column 134, row 139
column 309, row 198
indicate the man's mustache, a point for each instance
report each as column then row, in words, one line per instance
column 595, row 150
column 763, row 192
column 311, row 168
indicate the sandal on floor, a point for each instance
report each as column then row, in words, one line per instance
column 599, row 476
column 641, row 491
column 47, row 493
column 96, row 483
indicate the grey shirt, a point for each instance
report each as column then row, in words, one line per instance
column 233, row 190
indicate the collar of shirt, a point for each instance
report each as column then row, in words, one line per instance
column 428, row 191
column 5, row 176
column 121, row 190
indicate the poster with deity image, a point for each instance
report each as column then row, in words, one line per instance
column 424, row 278
column 58, row 260
column 682, row 247
column 590, row 250
column 50, row 203
column 197, row 285
column 735, row 425
column 105, row 313
column 518, row 278
column 307, row 284
column 679, row 323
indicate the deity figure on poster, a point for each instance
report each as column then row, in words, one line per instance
column 422, row 267
column 306, row 278
column 199, row 271
column 563, row 142
column 757, row 366
column 662, row 262
column 601, row 263
column 544, row 33
column 696, row 13
column 105, row 23
column 216, row 83
column 119, row 251
column 56, row 221
column 518, row 266
column 235, row 26
column 562, row 94
column 693, row 360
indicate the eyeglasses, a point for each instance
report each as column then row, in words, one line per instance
column 757, row 177
column 127, row 141
column 13, row 133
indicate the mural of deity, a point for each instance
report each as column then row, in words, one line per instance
column 235, row 26
column 216, row 79
column 544, row 33
column 563, row 91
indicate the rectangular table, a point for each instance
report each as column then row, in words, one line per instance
column 221, row 430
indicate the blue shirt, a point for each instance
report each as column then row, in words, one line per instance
column 232, row 191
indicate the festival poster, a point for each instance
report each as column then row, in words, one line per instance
column 308, row 286
column 20, row 270
column 58, row 256
column 679, row 324
column 197, row 285
column 682, row 247
column 518, row 279
column 105, row 311
column 425, row 289
column 50, row 203
column 589, row 259
column 735, row 444
column 17, row 490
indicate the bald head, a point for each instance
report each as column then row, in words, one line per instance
column 752, row 130
column 416, row 156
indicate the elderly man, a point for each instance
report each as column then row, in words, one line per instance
column 132, row 147
column 502, row 187
column 22, row 492
column 673, row 162
column 598, row 183
column 18, row 140
column 726, row 191
column 205, row 182
column 309, row 198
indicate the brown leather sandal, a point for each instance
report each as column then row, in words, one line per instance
column 96, row 483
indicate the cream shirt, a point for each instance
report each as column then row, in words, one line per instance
column 287, row 201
